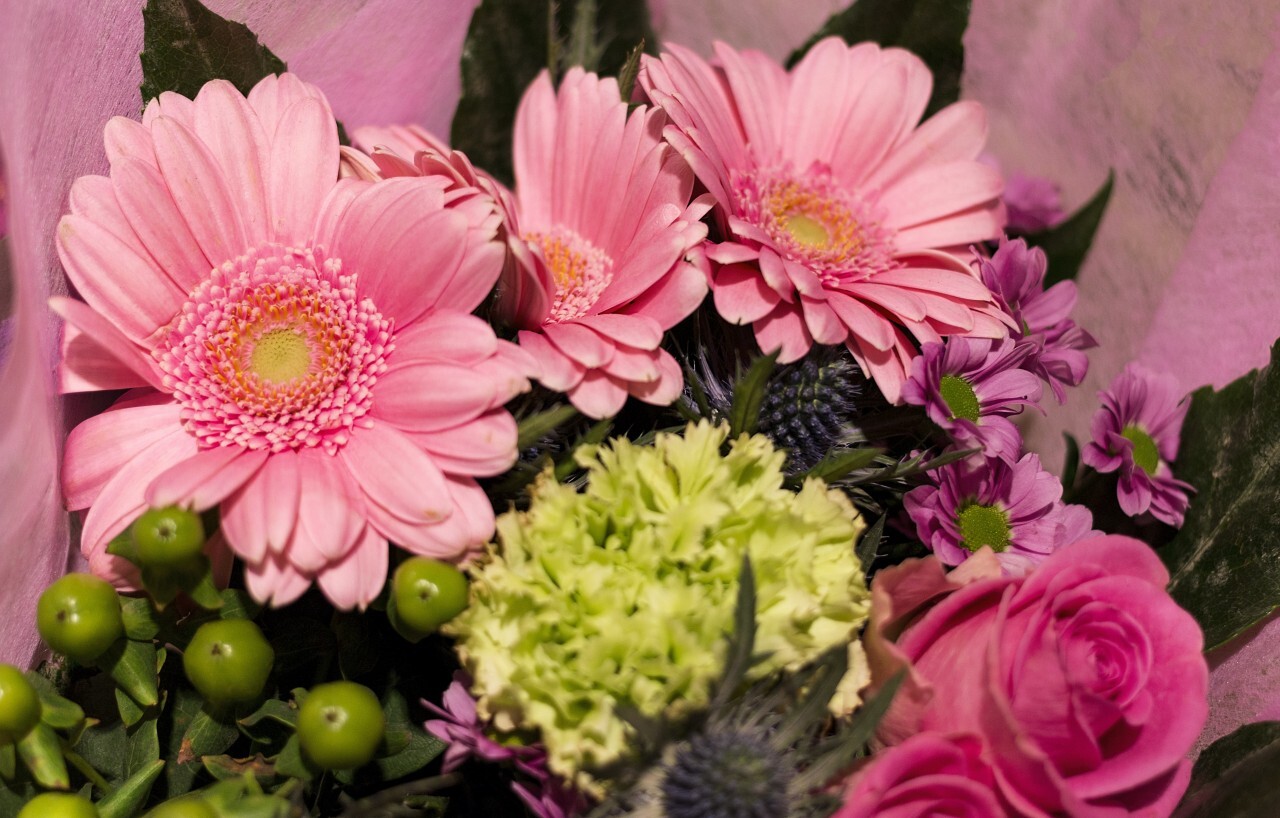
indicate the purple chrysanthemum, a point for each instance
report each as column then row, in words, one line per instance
column 461, row 728
column 1136, row 431
column 1015, row 509
column 970, row 386
column 1033, row 203
column 1016, row 275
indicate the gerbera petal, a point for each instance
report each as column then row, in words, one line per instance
column 639, row 331
column 823, row 323
column 127, row 289
column 956, row 132
column 144, row 199
column 666, row 388
column 741, row 294
column 203, row 481
column 559, row 372
column 674, row 298
column 275, row 582
column 445, row 336
column 102, row 333
column 125, row 138
column 330, row 512
column 201, row 192
column 480, row 448
column 783, row 331
column 597, row 395
column 229, row 127
column 759, row 87
column 87, row 366
column 357, row 579
column 394, row 472
column 629, row 364
column 981, row 223
column 423, row 396
column 259, row 517
column 101, row 446
column 937, row 191
column 303, row 166
column 864, row 323
column 580, row 344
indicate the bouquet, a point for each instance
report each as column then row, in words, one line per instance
column 646, row 446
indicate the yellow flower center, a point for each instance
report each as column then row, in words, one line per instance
column 281, row 355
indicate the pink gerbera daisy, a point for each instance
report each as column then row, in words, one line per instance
column 300, row 350
column 1136, row 432
column 605, row 245
column 833, row 203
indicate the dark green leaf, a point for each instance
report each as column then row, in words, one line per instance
column 226, row 768
column 291, row 763
column 275, row 710
column 143, row 745
column 1225, row 562
column 836, row 753
column 932, row 29
column 819, row 687
column 537, row 426
column 183, row 706
column 629, row 72
column 185, row 45
column 1068, row 243
column 130, row 712
column 206, row 735
column 132, row 665
column 584, row 49
column 1071, row 461
column 42, row 754
column 1235, row 776
column 507, row 44
column 408, row 747
column 55, row 711
column 748, row 395
column 128, row 799
column 8, row 761
column 742, row 642
column 840, row 462
column 869, row 545
column 106, row 747
column 123, row 546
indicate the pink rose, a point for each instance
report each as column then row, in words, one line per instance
column 1084, row 678
column 927, row 776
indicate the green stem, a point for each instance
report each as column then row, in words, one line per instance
column 86, row 769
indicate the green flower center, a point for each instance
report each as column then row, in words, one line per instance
column 1145, row 452
column 281, row 355
column 960, row 398
column 808, row 231
column 984, row 525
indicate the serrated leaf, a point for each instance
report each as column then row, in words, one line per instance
column 748, row 395
column 1067, row 244
column 1225, row 562
column 41, row 753
column 742, row 642
column 132, row 665
column 55, row 711
column 1235, row 776
column 186, row 45
column 127, row 800
column 932, row 29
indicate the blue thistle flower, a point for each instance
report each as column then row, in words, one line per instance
column 726, row 774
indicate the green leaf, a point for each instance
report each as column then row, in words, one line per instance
column 1068, row 243
column 132, row 665
column 629, row 72
column 130, row 712
column 123, row 546
column 539, row 425
column 416, row 748
column 291, row 763
column 584, row 49
column 55, row 711
column 1225, row 562
column 274, row 709
column 226, row 768
column 184, row 45
column 1235, row 776
column 8, row 761
column 42, row 754
column 840, row 462
column 128, row 799
column 742, row 642
column 869, row 544
column 748, row 395
column 932, row 29
column 1071, row 461
column 206, row 735
column 835, row 755
column 508, row 43
column 140, row 622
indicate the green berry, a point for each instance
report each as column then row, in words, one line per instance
column 425, row 594
column 79, row 616
column 168, row 537
column 340, row 725
column 228, row 661
column 187, row 807
column 19, row 705
column 59, row 805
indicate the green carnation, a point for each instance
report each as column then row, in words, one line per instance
column 621, row 595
